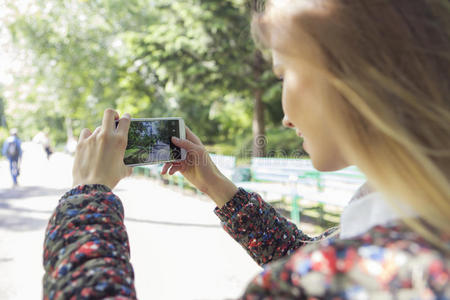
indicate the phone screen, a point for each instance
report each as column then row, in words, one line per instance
column 150, row 142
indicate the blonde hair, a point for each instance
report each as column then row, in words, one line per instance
column 390, row 62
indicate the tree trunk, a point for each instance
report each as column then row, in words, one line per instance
column 259, row 137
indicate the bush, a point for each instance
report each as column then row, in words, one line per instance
column 280, row 142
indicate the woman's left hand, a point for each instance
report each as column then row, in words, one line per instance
column 99, row 155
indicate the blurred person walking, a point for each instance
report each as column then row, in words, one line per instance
column 12, row 149
column 43, row 139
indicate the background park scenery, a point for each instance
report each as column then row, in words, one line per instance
column 65, row 62
column 62, row 63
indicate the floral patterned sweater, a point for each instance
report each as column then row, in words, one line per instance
column 87, row 256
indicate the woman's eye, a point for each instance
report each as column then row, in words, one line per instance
column 280, row 78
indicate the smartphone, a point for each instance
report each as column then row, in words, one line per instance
column 149, row 141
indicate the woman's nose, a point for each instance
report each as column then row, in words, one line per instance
column 287, row 123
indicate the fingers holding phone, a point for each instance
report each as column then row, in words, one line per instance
column 190, row 136
column 200, row 170
column 99, row 155
column 195, row 155
column 123, row 126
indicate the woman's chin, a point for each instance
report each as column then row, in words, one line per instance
column 326, row 164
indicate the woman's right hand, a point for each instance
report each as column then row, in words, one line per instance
column 99, row 155
column 200, row 170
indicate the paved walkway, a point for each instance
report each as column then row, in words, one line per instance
column 177, row 247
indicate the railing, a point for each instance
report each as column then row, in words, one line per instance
column 281, row 180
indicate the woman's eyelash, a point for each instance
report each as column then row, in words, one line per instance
column 280, row 78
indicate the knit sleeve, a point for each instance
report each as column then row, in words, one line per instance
column 384, row 263
column 259, row 228
column 86, row 250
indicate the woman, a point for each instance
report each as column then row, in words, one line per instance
column 366, row 83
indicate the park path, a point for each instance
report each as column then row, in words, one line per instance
column 178, row 249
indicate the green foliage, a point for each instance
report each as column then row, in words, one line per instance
column 283, row 142
column 193, row 59
column 280, row 142
column 234, row 116
column 74, row 72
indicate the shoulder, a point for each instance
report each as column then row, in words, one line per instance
column 385, row 260
column 377, row 245
column 382, row 239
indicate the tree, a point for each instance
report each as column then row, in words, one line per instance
column 74, row 65
column 193, row 59
column 203, row 48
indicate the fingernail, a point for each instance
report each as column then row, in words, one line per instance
column 126, row 115
column 174, row 138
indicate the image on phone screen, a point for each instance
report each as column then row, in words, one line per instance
column 149, row 142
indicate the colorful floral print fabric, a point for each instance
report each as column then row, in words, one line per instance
column 86, row 255
column 261, row 230
column 384, row 263
column 86, row 251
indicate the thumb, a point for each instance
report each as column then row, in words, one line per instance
column 185, row 144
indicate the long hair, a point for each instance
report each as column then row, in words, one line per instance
column 389, row 60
